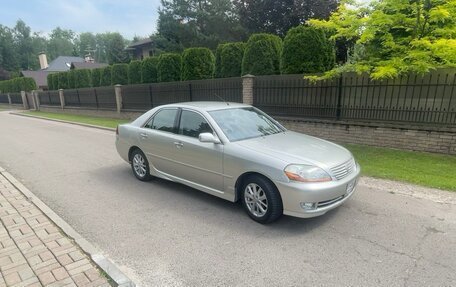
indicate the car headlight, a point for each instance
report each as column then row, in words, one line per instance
column 306, row 173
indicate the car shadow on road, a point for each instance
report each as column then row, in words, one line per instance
column 207, row 207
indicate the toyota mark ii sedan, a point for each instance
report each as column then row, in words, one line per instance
column 237, row 152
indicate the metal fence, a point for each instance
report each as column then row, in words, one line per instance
column 97, row 98
column 145, row 96
column 16, row 98
column 49, row 98
column 426, row 99
column 4, row 99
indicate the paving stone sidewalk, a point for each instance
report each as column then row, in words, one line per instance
column 33, row 251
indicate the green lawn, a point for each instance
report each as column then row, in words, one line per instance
column 433, row 170
column 97, row 121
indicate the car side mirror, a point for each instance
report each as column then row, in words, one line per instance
column 208, row 138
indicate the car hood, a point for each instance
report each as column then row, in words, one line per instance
column 298, row 148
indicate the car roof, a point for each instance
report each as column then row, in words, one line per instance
column 208, row 106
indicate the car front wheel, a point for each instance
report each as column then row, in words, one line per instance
column 261, row 199
column 140, row 165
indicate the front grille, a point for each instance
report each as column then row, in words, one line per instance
column 329, row 202
column 342, row 170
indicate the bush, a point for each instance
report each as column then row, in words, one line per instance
column 55, row 80
column 63, row 80
column 17, row 85
column 218, row 61
column 50, row 82
column 149, row 70
column 119, row 74
column 169, row 67
column 231, row 59
column 134, row 72
column 29, row 84
column 71, row 79
column 307, row 50
column 197, row 64
column 262, row 55
column 105, row 79
column 82, row 78
column 95, row 76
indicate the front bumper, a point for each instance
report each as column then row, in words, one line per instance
column 325, row 195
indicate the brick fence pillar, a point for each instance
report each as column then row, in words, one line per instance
column 36, row 98
column 118, row 91
column 247, row 89
column 9, row 99
column 62, row 98
column 24, row 100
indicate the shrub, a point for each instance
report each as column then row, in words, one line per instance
column 231, row 59
column 71, row 79
column 95, row 76
column 149, row 70
column 50, row 82
column 82, row 78
column 105, row 79
column 307, row 50
column 218, row 61
column 55, row 80
column 169, row 67
column 134, row 72
column 28, row 84
column 119, row 74
column 63, row 80
column 197, row 64
column 18, row 84
column 262, row 55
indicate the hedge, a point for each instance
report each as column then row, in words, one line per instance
column 134, row 72
column 82, row 78
column 71, row 79
column 119, row 74
column 169, row 67
column 63, row 80
column 218, row 61
column 307, row 50
column 17, row 85
column 50, row 82
column 231, row 59
column 105, row 79
column 197, row 64
column 262, row 55
column 149, row 70
column 95, row 76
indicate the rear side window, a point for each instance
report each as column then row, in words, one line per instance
column 163, row 120
column 192, row 124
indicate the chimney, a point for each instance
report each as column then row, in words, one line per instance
column 43, row 60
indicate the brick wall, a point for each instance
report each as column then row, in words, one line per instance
column 418, row 138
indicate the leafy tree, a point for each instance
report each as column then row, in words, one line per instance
column 95, row 77
column 61, row 43
column 262, row 55
column 149, row 70
column 86, row 43
column 106, row 74
column 119, row 74
column 197, row 64
column 393, row 37
column 169, row 67
column 8, row 52
column 307, row 50
column 134, row 72
column 277, row 17
column 231, row 59
column 115, row 48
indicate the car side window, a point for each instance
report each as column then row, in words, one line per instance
column 163, row 120
column 192, row 124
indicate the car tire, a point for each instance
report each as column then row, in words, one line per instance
column 261, row 199
column 140, row 165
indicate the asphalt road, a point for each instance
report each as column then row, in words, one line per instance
column 166, row 234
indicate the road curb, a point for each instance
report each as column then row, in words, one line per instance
column 63, row 121
column 112, row 271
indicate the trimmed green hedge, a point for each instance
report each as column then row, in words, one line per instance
column 307, row 50
column 262, row 55
column 50, row 82
column 71, row 79
column 55, row 81
column 95, row 76
column 119, row 74
column 134, row 72
column 218, row 61
column 17, row 85
column 105, row 79
column 149, row 73
column 169, row 67
column 197, row 64
column 231, row 59
column 63, row 80
column 82, row 78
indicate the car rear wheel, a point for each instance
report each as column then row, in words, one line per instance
column 140, row 165
column 261, row 199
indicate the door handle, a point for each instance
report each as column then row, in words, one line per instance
column 178, row 144
column 143, row 135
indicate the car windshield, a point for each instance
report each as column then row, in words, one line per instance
column 244, row 123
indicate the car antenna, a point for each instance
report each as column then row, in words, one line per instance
column 223, row 100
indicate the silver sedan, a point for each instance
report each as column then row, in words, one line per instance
column 237, row 152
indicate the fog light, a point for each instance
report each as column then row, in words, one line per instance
column 308, row 205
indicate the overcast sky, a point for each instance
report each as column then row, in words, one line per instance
column 128, row 17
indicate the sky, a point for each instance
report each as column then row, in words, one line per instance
column 128, row 17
